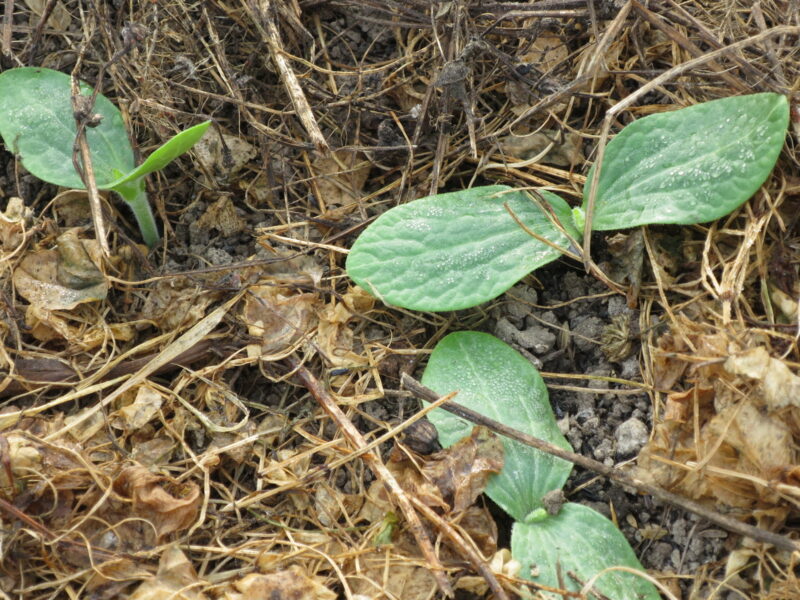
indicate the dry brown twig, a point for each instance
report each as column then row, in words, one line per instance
column 405, row 502
column 374, row 463
column 756, row 533
column 82, row 107
column 263, row 14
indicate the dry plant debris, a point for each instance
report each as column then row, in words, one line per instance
column 160, row 434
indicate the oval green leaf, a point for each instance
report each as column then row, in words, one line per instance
column 455, row 250
column 497, row 381
column 579, row 540
column 691, row 165
column 165, row 153
column 36, row 123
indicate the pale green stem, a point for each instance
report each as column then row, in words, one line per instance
column 135, row 196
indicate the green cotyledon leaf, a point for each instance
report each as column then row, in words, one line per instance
column 36, row 122
column 164, row 154
column 579, row 541
column 690, row 165
column 456, row 250
column 497, row 381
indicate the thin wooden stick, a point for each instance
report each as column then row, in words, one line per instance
column 375, row 464
column 81, row 108
column 455, row 538
column 762, row 535
column 269, row 30
column 8, row 17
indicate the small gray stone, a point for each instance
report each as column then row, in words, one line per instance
column 617, row 306
column 217, row 256
column 603, row 450
column 538, row 339
column 586, row 333
column 630, row 367
column 515, row 312
column 574, row 285
column 631, row 436
column 506, row 331
column 524, row 297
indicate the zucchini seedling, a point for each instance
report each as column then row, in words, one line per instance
column 37, row 124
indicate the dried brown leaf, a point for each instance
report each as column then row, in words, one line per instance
column 780, row 387
column 145, row 406
column 60, row 19
column 154, row 452
column 330, row 505
column 341, row 178
column 64, row 277
column 551, row 146
column 334, row 336
column 177, row 303
column 170, row 506
column 13, row 223
column 222, row 153
column 454, row 477
column 176, row 579
column 404, row 581
column 462, row 470
column 279, row 317
column 627, row 251
column 290, row 583
column 20, row 456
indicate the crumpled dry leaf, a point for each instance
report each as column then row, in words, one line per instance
column 330, row 505
column 784, row 303
column 403, row 580
column 289, row 583
column 59, row 19
column 726, row 440
column 755, row 444
column 462, row 470
column 279, row 317
column 627, row 250
column 551, row 146
column 222, row 216
column 178, row 302
column 20, row 456
column 229, row 443
column 62, row 278
column 341, row 178
column 289, row 468
column 781, row 387
column 454, row 477
column 735, row 438
column 139, row 412
column 80, row 332
column 546, row 53
column 170, row 506
column 668, row 368
column 287, row 268
column 176, row 579
column 334, row 337
column 72, row 208
column 86, row 428
column 501, row 564
column 13, row 223
column 679, row 405
column 223, row 153
column 154, row 452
